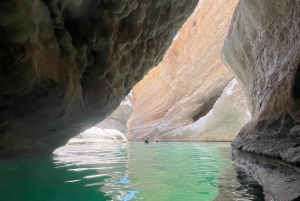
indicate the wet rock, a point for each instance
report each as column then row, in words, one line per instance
column 280, row 181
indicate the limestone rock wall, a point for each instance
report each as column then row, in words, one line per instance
column 118, row 119
column 222, row 123
column 67, row 64
column 263, row 50
column 189, row 80
column 111, row 129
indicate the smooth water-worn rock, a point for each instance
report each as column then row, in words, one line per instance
column 118, row 119
column 189, row 80
column 67, row 64
column 96, row 135
column 262, row 49
column 222, row 123
column 111, row 129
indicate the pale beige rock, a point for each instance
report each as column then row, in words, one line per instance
column 190, row 78
column 222, row 123
column 99, row 135
column 112, row 129
column 262, row 49
column 118, row 119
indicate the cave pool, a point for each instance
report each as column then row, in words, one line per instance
column 164, row 171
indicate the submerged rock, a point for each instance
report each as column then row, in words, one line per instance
column 67, row 64
column 280, row 181
column 188, row 82
column 262, row 50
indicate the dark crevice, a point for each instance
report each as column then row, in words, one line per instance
column 296, row 90
column 206, row 107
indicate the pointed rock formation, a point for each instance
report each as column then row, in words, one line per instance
column 263, row 50
column 189, row 80
column 67, row 64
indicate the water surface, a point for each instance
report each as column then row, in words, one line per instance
column 174, row 171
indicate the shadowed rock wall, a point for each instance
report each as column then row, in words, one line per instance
column 67, row 64
column 263, row 50
column 190, row 79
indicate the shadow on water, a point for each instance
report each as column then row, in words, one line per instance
column 33, row 179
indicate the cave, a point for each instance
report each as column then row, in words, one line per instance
column 65, row 66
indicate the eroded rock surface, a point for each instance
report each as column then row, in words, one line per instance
column 262, row 49
column 280, row 181
column 67, row 64
column 190, row 79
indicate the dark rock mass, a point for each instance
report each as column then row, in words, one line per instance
column 65, row 65
column 263, row 51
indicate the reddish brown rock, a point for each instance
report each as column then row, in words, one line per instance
column 262, row 49
column 190, row 79
column 67, row 64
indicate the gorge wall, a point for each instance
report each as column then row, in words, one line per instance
column 67, row 64
column 111, row 129
column 171, row 100
column 262, row 49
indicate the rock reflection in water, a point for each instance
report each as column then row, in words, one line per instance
column 280, row 181
column 236, row 184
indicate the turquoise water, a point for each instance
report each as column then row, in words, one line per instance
column 174, row 171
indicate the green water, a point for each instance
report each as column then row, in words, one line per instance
column 129, row 171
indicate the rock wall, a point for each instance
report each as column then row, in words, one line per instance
column 262, row 49
column 118, row 119
column 111, row 129
column 96, row 135
column 222, row 123
column 189, row 80
column 67, row 64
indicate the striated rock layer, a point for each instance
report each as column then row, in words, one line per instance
column 190, row 79
column 262, row 49
column 222, row 123
column 67, row 64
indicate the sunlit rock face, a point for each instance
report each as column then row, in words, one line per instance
column 262, row 49
column 67, row 64
column 189, row 80
column 98, row 135
column 118, row 119
column 112, row 129
column 222, row 123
